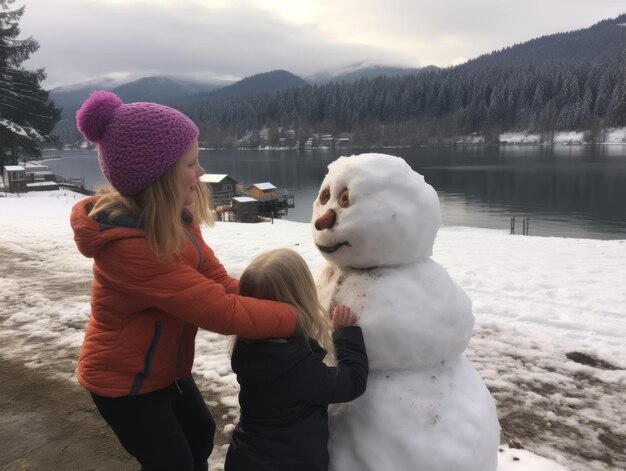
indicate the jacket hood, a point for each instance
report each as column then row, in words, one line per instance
column 92, row 235
column 268, row 360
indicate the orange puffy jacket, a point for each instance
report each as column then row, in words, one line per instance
column 145, row 313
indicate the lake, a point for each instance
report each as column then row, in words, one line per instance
column 568, row 191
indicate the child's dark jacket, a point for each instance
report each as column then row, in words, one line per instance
column 284, row 397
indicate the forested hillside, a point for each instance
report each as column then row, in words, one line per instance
column 266, row 82
column 565, row 81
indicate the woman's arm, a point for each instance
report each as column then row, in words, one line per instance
column 181, row 290
column 211, row 267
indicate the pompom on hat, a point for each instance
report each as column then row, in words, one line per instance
column 137, row 142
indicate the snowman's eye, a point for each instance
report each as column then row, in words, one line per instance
column 344, row 198
column 324, row 195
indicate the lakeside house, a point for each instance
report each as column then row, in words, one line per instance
column 235, row 202
column 263, row 191
column 223, row 187
column 30, row 176
column 246, row 209
column 14, row 177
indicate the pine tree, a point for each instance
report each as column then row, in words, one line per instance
column 604, row 94
column 616, row 111
column 26, row 114
column 586, row 112
column 617, row 106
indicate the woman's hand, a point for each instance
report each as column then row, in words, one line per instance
column 342, row 316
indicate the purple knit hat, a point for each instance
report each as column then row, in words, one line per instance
column 137, row 142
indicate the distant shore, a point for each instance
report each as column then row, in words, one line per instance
column 611, row 136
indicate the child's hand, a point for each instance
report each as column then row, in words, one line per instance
column 342, row 316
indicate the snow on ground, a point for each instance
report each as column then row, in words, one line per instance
column 569, row 137
column 613, row 136
column 519, row 138
column 549, row 336
column 616, row 136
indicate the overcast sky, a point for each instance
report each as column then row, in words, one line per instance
column 231, row 39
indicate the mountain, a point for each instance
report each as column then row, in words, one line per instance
column 70, row 97
column 565, row 81
column 573, row 81
column 164, row 90
column 359, row 71
column 598, row 43
column 161, row 89
column 157, row 89
column 266, row 82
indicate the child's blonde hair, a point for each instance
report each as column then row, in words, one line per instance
column 283, row 275
column 157, row 210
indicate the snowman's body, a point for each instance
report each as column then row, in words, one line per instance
column 425, row 407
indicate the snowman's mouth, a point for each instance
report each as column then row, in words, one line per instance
column 332, row 248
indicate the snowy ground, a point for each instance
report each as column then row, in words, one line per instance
column 549, row 337
column 613, row 136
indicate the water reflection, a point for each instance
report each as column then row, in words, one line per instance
column 572, row 191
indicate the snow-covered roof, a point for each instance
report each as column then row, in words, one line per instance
column 263, row 186
column 13, row 168
column 34, row 166
column 45, row 184
column 244, row 199
column 213, row 177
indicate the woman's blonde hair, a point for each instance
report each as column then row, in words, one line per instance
column 283, row 275
column 158, row 211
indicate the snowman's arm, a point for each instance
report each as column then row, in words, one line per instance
column 323, row 384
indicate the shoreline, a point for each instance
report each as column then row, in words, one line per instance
column 422, row 146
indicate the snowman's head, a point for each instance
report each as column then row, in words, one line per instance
column 373, row 210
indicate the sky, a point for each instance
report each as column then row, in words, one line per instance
column 534, row 299
column 212, row 40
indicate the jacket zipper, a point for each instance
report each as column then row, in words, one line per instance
column 181, row 335
column 147, row 364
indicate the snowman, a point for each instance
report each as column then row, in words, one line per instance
column 425, row 407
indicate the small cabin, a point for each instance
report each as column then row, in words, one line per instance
column 245, row 209
column 263, row 191
column 222, row 187
column 36, row 172
column 272, row 202
column 39, row 177
column 14, row 179
column 219, row 182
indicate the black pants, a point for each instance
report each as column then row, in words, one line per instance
column 166, row 430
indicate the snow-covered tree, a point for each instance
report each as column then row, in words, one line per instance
column 617, row 106
column 26, row 114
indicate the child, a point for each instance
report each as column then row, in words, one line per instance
column 155, row 282
column 285, row 385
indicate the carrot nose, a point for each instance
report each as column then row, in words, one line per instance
column 326, row 220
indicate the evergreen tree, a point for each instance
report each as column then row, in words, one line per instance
column 604, row 94
column 431, row 107
column 616, row 111
column 617, row 106
column 586, row 112
column 26, row 114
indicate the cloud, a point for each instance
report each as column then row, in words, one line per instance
column 90, row 39
column 232, row 39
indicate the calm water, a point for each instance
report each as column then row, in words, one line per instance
column 571, row 191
